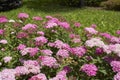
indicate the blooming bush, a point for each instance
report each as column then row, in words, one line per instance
column 51, row 49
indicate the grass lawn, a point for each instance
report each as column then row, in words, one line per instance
column 107, row 21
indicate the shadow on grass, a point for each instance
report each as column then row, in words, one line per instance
column 47, row 6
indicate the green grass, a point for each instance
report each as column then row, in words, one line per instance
column 107, row 21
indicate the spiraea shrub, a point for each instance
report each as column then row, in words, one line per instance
column 50, row 48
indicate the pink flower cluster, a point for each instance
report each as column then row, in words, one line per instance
column 40, row 41
column 7, row 59
column 37, row 18
column 21, row 47
column 41, row 33
column 7, row 74
column 75, row 38
column 3, row 41
column 54, row 22
column 60, row 45
column 48, row 61
column 23, row 15
column 115, row 66
column 30, row 28
column 91, row 30
column 3, row 19
column 89, row 69
column 46, row 52
column 2, row 31
column 78, row 51
column 77, row 24
column 32, row 66
column 60, row 76
column 117, row 76
column 94, row 42
column 40, row 76
column 63, row 53
column 21, row 35
column 64, row 25
column 31, row 51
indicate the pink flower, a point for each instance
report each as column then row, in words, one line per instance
column 48, row 61
column 114, row 39
column 7, row 59
column 32, row 66
column 25, row 51
column 89, row 69
column 23, row 15
column 21, row 35
column 21, row 70
column 95, row 42
column 63, row 53
column 60, row 76
column 67, row 69
column 93, row 26
column 115, row 66
column 106, row 35
column 47, row 52
column 7, row 74
column 21, row 47
column 51, row 44
column 118, row 31
column 2, row 31
column 77, row 24
column 72, row 35
column 78, row 51
column 3, row 41
column 58, row 44
column 55, row 20
column 41, row 33
column 76, row 40
column 49, row 17
column 39, row 41
column 30, row 28
column 117, row 76
column 37, row 18
column 115, row 48
column 64, row 25
column 91, row 30
column 33, row 51
column 99, row 51
column 40, row 76
column 51, row 25
column 3, row 19
column 107, row 49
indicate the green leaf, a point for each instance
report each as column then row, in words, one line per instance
column 103, row 71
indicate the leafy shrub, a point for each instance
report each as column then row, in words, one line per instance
column 111, row 4
column 93, row 2
column 76, row 3
column 9, row 4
